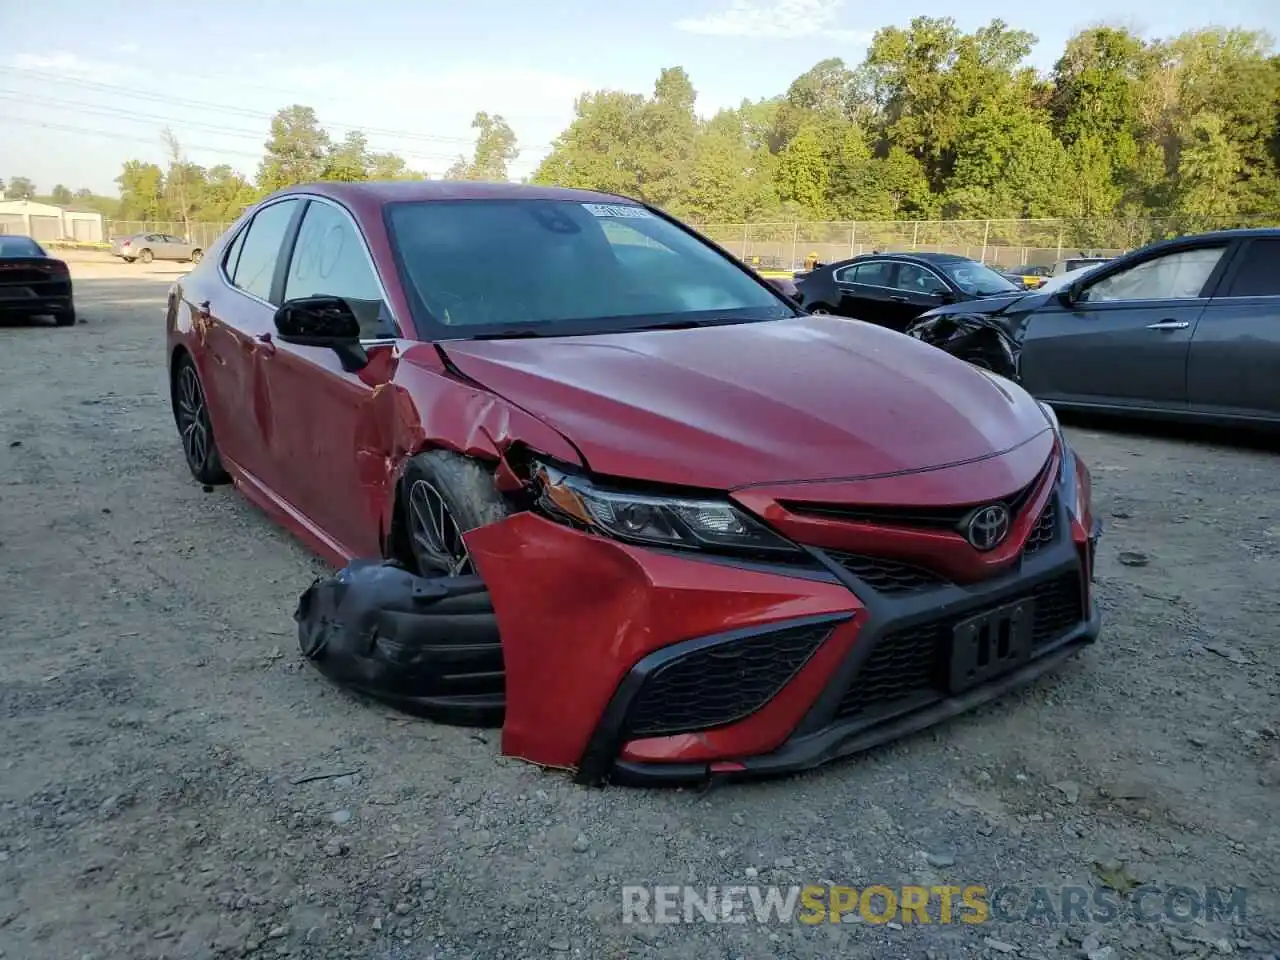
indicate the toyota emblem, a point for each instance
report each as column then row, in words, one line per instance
column 988, row 527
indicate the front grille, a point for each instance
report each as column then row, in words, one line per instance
column 721, row 684
column 912, row 662
column 887, row 576
column 1046, row 528
column 929, row 518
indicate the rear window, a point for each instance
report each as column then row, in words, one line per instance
column 20, row 247
column 1258, row 276
column 560, row 266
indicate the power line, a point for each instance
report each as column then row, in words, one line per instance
column 236, row 111
column 117, row 113
column 112, row 135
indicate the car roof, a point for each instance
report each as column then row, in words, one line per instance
column 399, row 191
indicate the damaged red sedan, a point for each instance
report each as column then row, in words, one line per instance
column 720, row 537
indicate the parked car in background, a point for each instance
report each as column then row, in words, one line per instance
column 1029, row 276
column 1077, row 263
column 892, row 289
column 32, row 283
column 718, row 534
column 155, row 246
column 1187, row 328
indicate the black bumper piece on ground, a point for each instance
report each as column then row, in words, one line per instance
column 426, row 646
column 904, row 673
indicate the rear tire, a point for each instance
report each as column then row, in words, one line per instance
column 65, row 318
column 443, row 495
column 191, row 414
column 197, row 256
column 129, row 259
column 145, row 256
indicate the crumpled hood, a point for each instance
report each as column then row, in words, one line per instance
column 813, row 398
column 1029, row 300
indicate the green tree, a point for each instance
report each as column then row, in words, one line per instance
column 348, row 160
column 297, row 150
column 495, row 149
column 142, row 191
column 19, row 188
column 60, row 195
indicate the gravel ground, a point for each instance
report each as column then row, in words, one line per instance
column 156, row 722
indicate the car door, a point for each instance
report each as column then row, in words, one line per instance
column 864, row 290
column 316, row 410
column 1125, row 341
column 1234, row 365
column 232, row 324
column 918, row 289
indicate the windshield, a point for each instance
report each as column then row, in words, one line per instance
column 973, row 278
column 550, row 267
column 19, row 247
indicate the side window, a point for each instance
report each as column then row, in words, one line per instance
column 917, row 279
column 1259, row 273
column 1175, row 276
column 233, row 253
column 330, row 259
column 261, row 248
column 875, row 274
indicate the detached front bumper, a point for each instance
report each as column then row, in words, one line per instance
column 643, row 666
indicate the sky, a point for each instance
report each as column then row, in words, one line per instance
column 88, row 84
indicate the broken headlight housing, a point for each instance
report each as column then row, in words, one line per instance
column 690, row 523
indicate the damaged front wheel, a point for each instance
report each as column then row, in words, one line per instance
column 443, row 496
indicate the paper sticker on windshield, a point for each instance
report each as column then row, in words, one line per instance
column 623, row 210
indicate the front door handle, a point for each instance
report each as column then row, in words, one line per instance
column 1169, row 325
column 266, row 344
column 898, row 299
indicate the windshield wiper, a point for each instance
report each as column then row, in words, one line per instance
column 511, row 333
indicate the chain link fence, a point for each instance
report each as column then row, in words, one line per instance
column 1000, row 243
column 786, row 246
column 201, row 233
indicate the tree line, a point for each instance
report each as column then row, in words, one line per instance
column 933, row 123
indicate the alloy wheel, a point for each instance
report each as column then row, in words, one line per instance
column 434, row 536
column 193, row 419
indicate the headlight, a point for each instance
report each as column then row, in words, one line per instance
column 714, row 525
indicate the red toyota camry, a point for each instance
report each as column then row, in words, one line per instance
column 720, row 536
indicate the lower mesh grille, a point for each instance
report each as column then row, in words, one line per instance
column 1046, row 527
column 721, row 684
column 911, row 663
column 888, row 576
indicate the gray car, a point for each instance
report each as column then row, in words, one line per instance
column 1187, row 328
column 155, row 246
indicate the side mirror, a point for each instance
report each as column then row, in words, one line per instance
column 946, row 296
column 1069, row 295
column 323, row 322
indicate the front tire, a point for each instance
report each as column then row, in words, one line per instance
column 442, row 496
column 191, row 414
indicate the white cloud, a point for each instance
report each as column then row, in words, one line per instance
column 75, row 66
column 775, row 20
column 128, row 48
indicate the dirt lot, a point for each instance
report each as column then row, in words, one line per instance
column 155, row 721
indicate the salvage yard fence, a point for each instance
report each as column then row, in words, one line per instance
column 1000, row 243
column 787, row 245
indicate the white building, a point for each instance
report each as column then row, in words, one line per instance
column 43, row 221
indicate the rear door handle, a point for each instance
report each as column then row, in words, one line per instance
column 1169, row 325
column 898, row 299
